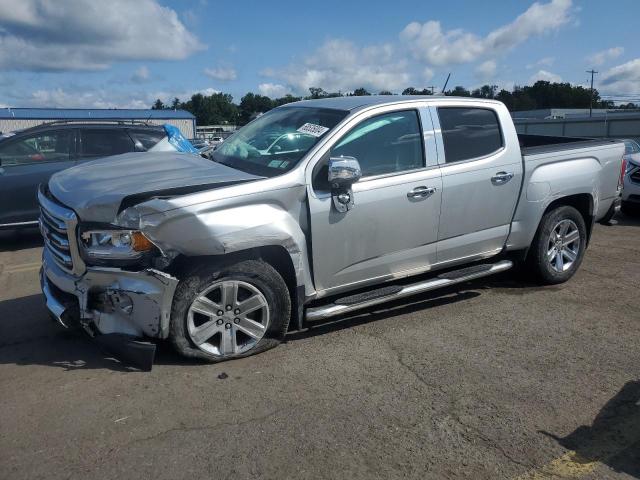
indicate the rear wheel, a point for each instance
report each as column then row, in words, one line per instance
column 559, row 245
column 229, row 311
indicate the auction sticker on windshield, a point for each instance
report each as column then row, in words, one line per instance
column 313, row 129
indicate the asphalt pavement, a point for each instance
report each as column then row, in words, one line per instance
column 498, row 378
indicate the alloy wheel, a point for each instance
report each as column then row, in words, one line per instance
column 228, row 318
column 563, row 246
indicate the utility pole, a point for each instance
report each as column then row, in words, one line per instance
column 592, row 72
column 446, row 82
column 432, row 88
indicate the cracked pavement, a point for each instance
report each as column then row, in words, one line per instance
column 490, row 380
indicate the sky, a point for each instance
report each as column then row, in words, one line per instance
column 125, row 54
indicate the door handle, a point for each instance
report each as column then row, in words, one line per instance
column 501, row 178
column 421, row 192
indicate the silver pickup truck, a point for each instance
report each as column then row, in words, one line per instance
column 315, row 209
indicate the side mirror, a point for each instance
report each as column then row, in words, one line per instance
column 343, row 173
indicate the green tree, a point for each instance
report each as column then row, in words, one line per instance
column 360, row 92
column 214, row 109
column 415, row 91
column 486, row 91
column 505, row 97
column 175, row 105
column 458, row 91
column 157, row 105
column 316, row 92
column 253, row 104
column 286, row 99
column 385, row 92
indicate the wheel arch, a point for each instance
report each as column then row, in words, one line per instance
column 582, row 202
column 275, row 255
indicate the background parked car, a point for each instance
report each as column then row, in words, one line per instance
column 199, row 143
column 29, row 157
column 631, row 191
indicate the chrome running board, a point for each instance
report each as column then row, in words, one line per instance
column 345, row 305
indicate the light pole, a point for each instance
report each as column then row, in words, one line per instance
column 592, row 72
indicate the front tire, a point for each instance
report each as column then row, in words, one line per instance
column 230, row 310
column 558, row 246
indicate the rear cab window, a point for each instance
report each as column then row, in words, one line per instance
column 469, row 133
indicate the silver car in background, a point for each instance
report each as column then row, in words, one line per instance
column 631, row 191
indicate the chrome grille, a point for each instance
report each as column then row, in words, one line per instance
column 58, row 228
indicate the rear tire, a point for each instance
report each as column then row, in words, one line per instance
column 229, row 310
column 558, row 247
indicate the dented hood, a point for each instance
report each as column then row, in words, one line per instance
column 96, row 190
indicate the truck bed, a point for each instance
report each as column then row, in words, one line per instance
column 537, row 144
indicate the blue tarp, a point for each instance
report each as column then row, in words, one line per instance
column 175, row 137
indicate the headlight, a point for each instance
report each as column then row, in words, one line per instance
column 108, row 245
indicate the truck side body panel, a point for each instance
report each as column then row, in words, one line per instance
column 592, row 171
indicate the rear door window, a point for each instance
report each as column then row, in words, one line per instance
column 469, row 133
column 105, row 142
column 54, row 146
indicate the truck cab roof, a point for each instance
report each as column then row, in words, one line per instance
column 359, row 102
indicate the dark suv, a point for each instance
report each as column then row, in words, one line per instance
column 29, row 157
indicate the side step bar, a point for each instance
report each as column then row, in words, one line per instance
column 387, row 294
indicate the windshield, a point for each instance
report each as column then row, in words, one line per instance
column 275, row 142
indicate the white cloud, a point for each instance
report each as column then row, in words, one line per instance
column 427, row 74
column 623, row 78
column 273, row 90
column 340, row 65
column 428, row 42
column 141, row 75
column 543, row 62
column 100, row 98
column 223, row 74
column 545, row 76
column 486, row 70
column 40, row 35
column 602, row 57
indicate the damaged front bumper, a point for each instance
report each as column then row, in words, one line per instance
column 109, row 300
